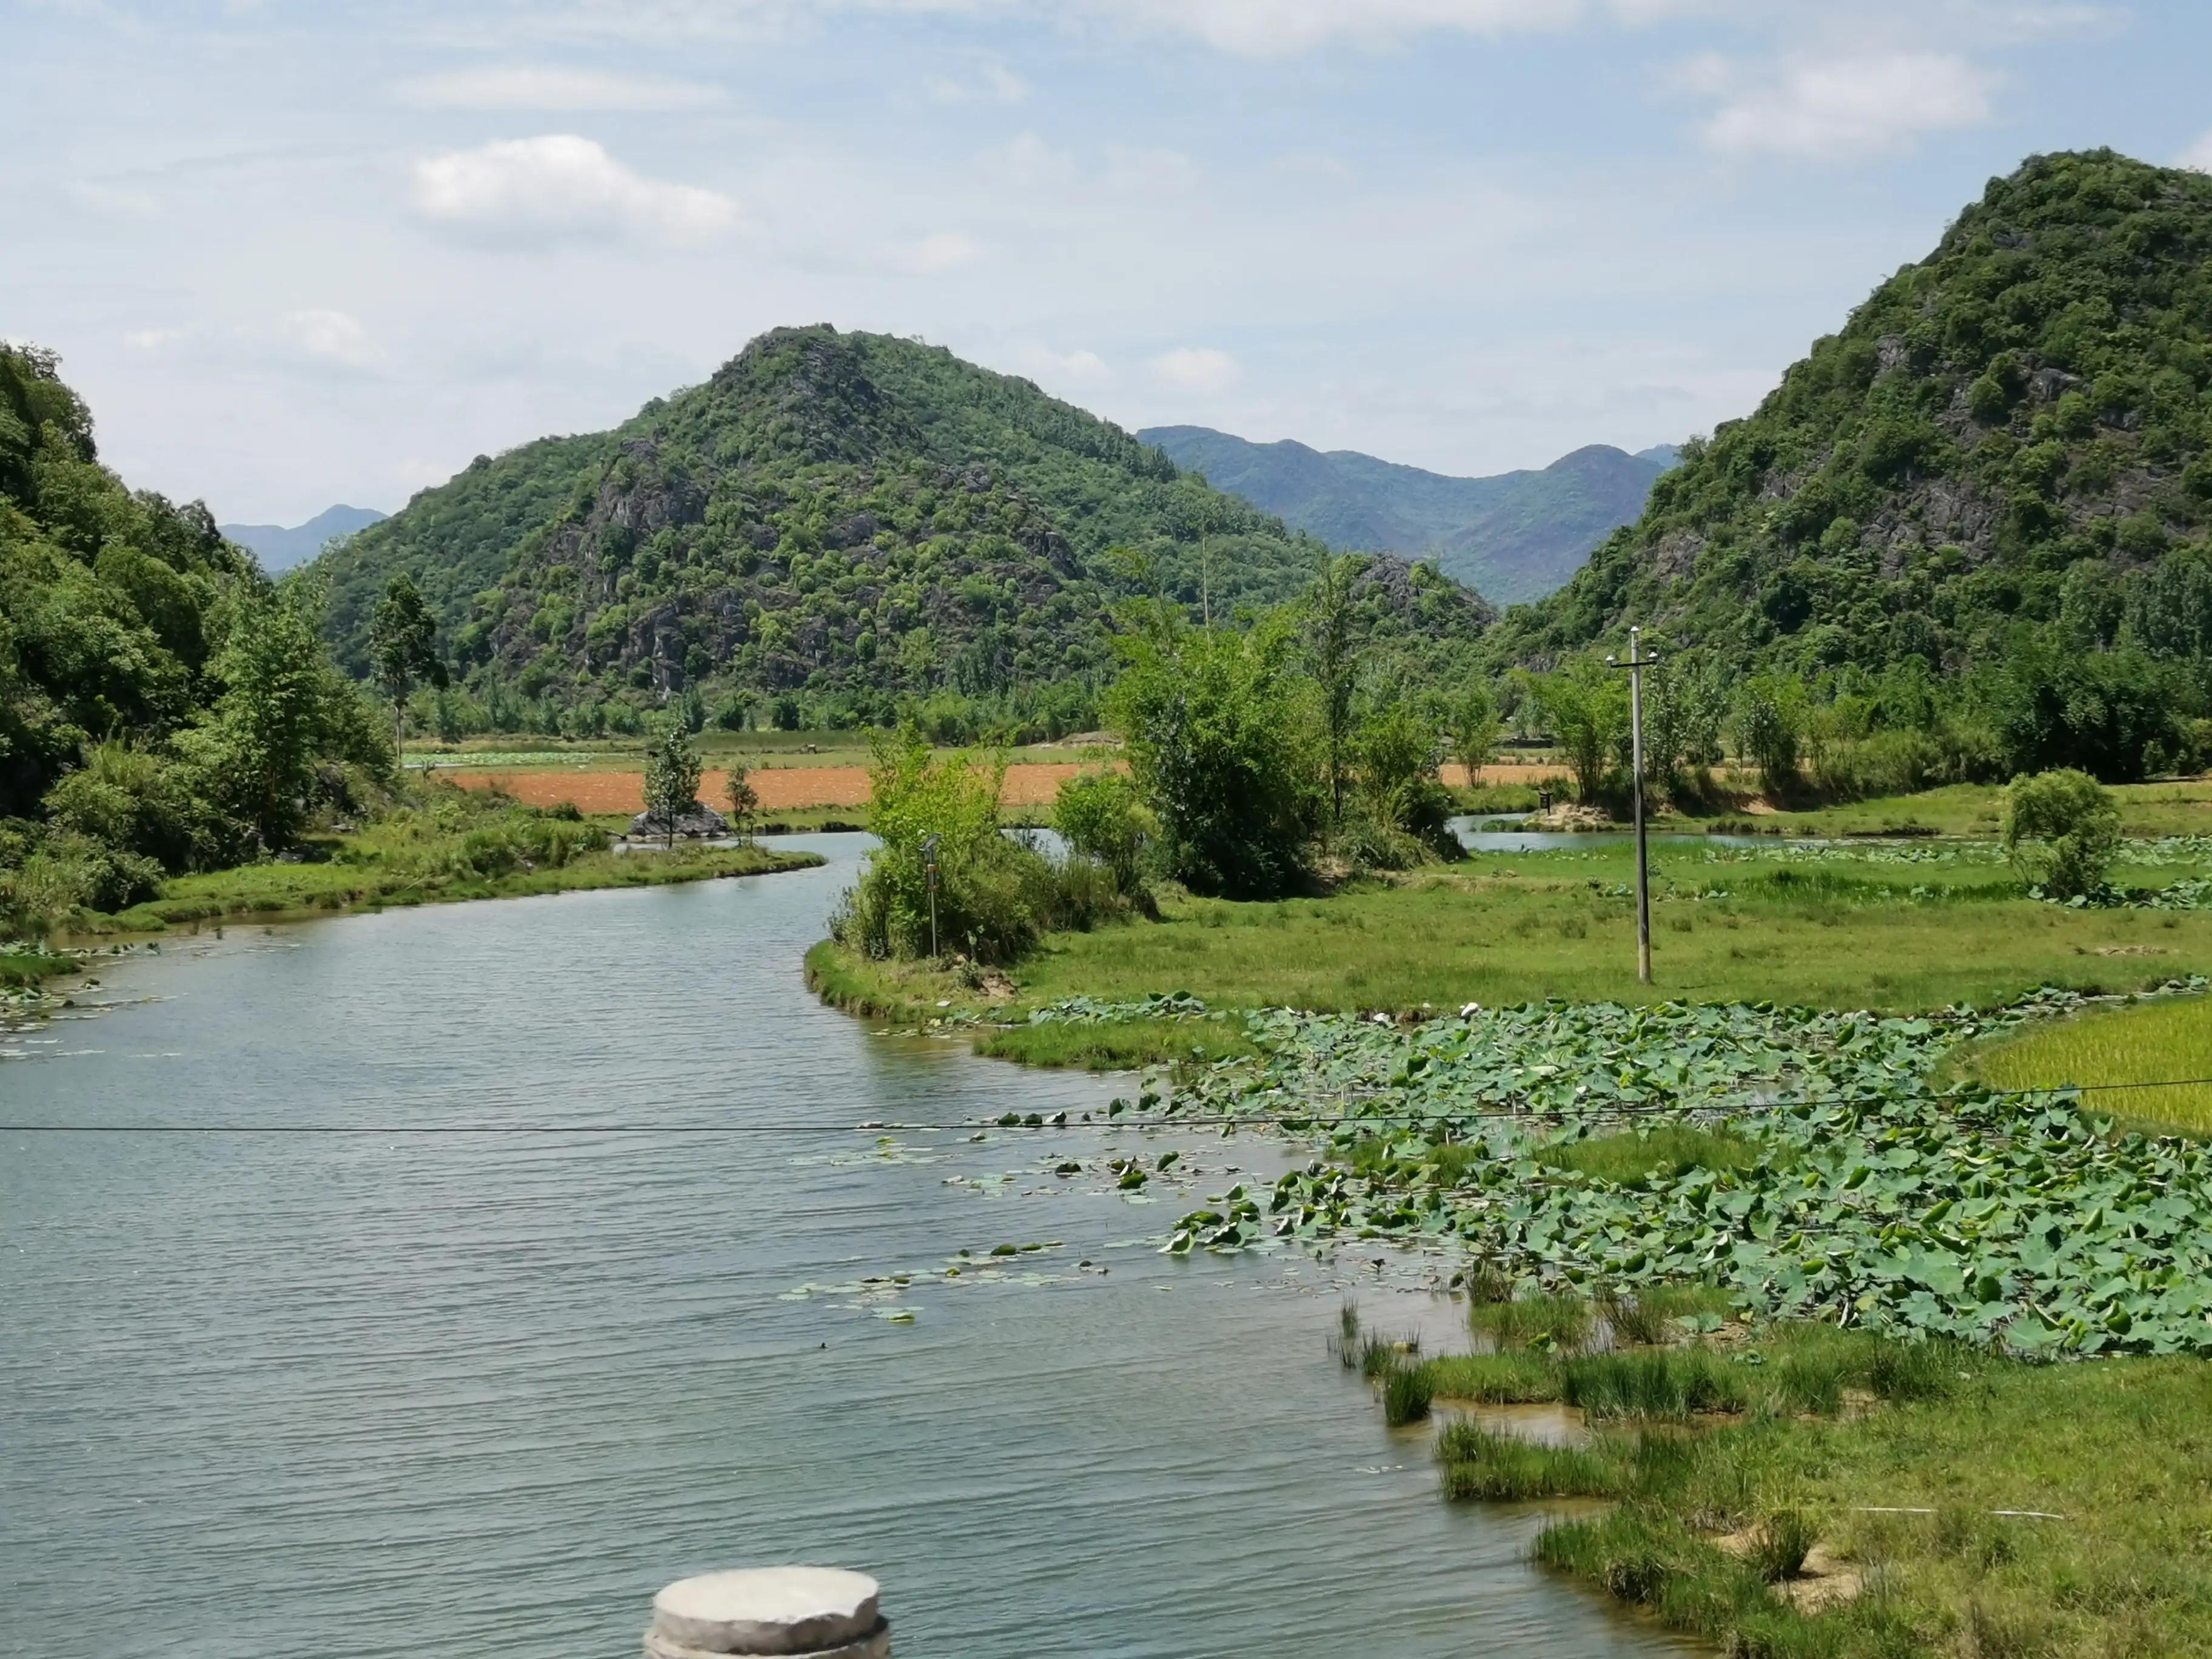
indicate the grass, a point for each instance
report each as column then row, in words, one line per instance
column 2147, row 1043
column 2180, row 808
column 1668, row 1151
column 1549, row 1321
column 1522, row 928
column 22, row 966
column 1120, row 1045
column 1897, row 1458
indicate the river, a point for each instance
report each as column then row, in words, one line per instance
column 270, row 1393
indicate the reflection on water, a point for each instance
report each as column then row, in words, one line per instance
column 428, row 1397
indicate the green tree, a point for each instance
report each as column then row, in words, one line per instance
column 672, row 779
column 2062, row 831
column 403, row 648
column 1474, row 725
column 1398, row 782
column 1770, row 725
column 1100, row 816
column 1586, row 705
column 1684, row 707
column 258, row 746
column 1219, row 736
column 744, row 799
column 1333, row 638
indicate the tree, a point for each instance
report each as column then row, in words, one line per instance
column 1220, row 741
column 1474, row 725
column 2062, row 831
column 1100, row 816
column 1397, row 755
column 403, row 648
column 1587, row 705
column 1769, row 723
column 1684, row 705
column 258, row 745
column 1332, row 642
column 744, row 798
column 672, row 779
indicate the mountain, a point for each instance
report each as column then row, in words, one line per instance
column 2009, row 442
column 852, row 516
column 280, row 548
column 1512, row 536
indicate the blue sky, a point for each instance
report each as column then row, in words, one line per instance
column 297, row 251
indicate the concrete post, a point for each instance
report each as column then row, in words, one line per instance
column 809, row 1612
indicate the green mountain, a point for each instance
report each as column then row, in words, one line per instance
column 280, row 547
column 2004, row 448
column 1513, row 536
column 849, row 519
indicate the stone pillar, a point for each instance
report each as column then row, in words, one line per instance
column 810, row 1613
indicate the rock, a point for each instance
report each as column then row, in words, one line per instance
column 821, row 1612
column 695, row 821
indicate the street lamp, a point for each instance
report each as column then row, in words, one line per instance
column 1636, row 663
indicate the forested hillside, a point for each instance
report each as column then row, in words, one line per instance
column 1512, row 536
column 831, row 526
column 161, row 704
column 2001, row 454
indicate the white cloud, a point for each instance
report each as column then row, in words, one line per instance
column 1840, row 108
column 946, row 249
column 563, row 186
column 2198, row 155
column 992, row 81
column 330, row 338
column 539, row 87
column 153, row 339
column 1196, row 369
column 1278, row 28
column 1077, row 367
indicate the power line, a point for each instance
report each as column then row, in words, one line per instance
column 1061, row 1121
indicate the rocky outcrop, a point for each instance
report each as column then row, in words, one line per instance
column 695, row 822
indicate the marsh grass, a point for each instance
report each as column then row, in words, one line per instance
column 1513, row 1378
column 1780, row 1545
column 1485, row 1463
column 1652, row 1314
column 1552, row 1321
column 1407, row 1394
column 1673, row 1383
column 1665, row 1152
column 1117, row 1045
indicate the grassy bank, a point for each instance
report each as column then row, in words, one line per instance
column 451, row 849
column 1803, row 1490
column 914, row 993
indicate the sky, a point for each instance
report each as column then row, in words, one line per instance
column 301, row 251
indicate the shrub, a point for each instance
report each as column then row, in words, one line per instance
column 1399, row 789
column 137, row 802
column 2062, row 831
column 1770, row 721
column 1101, row 817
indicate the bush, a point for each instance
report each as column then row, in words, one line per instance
column 1101, row 817
column 1770, row 722
column 139, row 803
column 1399, row 789
column 1780, row 1545
column 60, row 871
column 2062, row 831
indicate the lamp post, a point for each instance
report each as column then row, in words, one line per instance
column 1636, row 663
column 929, row 845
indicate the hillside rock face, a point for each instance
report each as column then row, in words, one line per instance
column 853, row 517
column 1512, row 536
column 2012, row 433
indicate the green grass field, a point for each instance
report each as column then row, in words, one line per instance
column 2148, row 1044
column 1533, row 930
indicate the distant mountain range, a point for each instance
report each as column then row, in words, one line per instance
column 279, row 547
column 1514, row 536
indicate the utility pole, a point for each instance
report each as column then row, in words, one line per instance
column 929, row 845
column 1636, row 663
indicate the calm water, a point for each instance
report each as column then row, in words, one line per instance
column 1477, row 835
column 476, row 1396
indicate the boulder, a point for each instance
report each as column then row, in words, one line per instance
column 695, row 821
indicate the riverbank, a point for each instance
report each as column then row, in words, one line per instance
column 452, row 849
column 1833, row 1284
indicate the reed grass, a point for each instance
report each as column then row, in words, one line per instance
column 1484, row 1463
